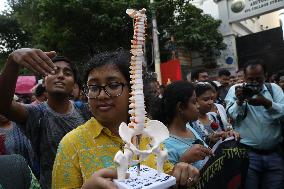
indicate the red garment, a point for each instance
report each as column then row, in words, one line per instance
column 170, row 71
column 2, row 145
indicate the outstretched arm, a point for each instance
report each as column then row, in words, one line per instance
column 35, row 60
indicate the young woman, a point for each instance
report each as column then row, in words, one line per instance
column 92, row 146
column 13, row 141
column 218, row 107
column 208, row 126
column 178, row 107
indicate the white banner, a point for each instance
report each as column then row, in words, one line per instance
column 244, row 9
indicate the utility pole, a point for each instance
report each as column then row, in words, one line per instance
column 156, row 45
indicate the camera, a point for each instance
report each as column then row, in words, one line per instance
column 250, row 89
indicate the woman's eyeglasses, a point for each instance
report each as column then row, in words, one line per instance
column 112, row 90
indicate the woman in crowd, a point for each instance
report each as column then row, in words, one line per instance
column 178, row 107
column 218, row 107
column 13, row 141
column 93, row 145
column 209, row 126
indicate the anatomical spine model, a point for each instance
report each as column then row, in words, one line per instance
column 139, row 126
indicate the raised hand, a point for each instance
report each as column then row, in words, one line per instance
column 35, row 60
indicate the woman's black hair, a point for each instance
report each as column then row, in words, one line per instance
column 214, row 85
column 164, row 109
column 202, row 87
column 71, row 64
column 119, row 58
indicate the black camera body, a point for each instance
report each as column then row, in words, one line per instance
column 249, row 90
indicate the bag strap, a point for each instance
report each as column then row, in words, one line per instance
column 269, row 88
column 218, row 118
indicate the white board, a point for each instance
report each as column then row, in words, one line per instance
column 148, row 179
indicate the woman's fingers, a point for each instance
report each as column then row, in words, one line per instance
column 102, row 179
column 193, row 174
column 104, row 183
column 184, row 176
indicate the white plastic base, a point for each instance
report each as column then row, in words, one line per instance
column 148, row 178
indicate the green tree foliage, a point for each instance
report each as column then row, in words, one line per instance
column 12, row 36
column 190, row 27
column 78, row 28
column 81, row 28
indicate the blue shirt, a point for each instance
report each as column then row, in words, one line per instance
column 177, row 146
column 261, row 127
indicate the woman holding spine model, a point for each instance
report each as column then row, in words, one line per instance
column 92, row 146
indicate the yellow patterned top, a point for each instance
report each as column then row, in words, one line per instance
column 87, row 149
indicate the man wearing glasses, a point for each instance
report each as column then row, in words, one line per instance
column 256, row 108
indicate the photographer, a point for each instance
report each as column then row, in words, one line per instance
column 256, row 108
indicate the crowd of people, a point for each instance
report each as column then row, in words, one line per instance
column 225, row 132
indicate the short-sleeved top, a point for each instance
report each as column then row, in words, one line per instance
column 205, row 130
column 45, row 128
column 223, row 115
column 17, row 143
column 87, row 149
column 15, row 173
column 177, row 146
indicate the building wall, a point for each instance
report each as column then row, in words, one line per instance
column 231, row 31
column 245, row 27
column 257, row 24
column 208, row 7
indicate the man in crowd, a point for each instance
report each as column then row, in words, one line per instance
column 256, row 109
column 224, row 79
column 46, row 123
column 240, row 76
column 200, row 75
